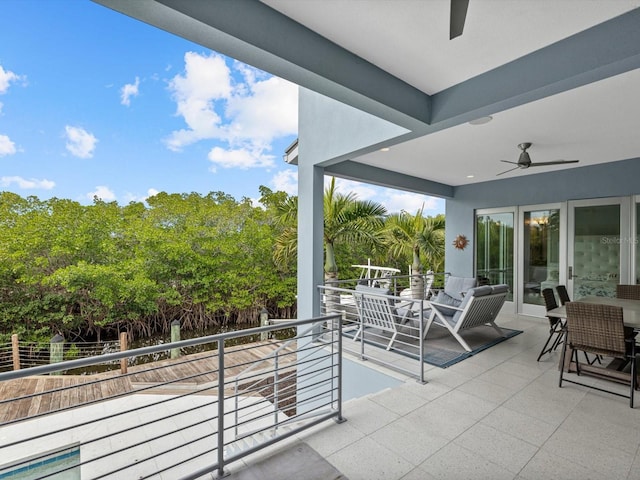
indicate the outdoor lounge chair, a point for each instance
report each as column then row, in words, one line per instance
column 480, row 306
column 377, row 310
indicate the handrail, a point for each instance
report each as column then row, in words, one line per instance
column 253, row 366
column 409, row 316
column 142, row 418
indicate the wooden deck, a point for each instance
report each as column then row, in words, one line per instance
column 30, row 396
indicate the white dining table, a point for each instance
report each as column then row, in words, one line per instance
column 630, row 309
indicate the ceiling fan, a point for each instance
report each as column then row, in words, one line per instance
column 524, row 161
column 457, row 17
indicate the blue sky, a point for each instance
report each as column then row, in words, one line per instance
column 95, row 103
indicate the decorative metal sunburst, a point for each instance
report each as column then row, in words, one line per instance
column 460, row 242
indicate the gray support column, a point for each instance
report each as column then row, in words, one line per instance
column 310, row 237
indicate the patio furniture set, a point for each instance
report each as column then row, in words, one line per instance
column 460, row 306
column 605, row 327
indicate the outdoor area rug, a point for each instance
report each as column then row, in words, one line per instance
column 440, row 348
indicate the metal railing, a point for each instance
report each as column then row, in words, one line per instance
column 177, row 418
column 381, row 329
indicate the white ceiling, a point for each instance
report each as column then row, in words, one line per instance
column 597, row 123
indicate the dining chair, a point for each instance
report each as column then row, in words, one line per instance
column 598, row 329
column 630, row 292
column 556, row 327
column 563, row 295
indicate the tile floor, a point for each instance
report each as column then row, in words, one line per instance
column 498, row 415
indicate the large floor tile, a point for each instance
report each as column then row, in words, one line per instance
column 531, row 430
column 409, row 440
column 509, row 452
column 453, row 462
column 368, row 460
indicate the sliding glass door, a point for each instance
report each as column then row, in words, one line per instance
column 495, row 248
column 541, row 255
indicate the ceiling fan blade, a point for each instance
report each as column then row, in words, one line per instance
column 555, row 162
column 507, row 171
column 507, row 161
column 458, row 17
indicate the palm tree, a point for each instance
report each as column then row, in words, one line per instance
column 419, row 238
column 346, row 219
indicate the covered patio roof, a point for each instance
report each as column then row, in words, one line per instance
column 562, row 75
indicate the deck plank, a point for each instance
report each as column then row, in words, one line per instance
column 193, row 371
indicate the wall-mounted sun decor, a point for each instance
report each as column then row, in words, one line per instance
column 460, row 242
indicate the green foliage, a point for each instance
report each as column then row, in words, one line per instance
column 87, row 271
column 104, row 268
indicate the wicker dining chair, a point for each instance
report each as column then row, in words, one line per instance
column 630, row 292
column 598, row 329
column 556, row 328
column 563, row 295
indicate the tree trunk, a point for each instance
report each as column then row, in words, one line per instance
column 332, row 298
column 417, row 280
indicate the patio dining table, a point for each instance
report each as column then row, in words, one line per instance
column 630, row 313
column 630, row 309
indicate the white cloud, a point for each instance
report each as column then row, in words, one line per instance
column 396, row 201
column 268, row 110
column 206, row 79
column 6, row 78
column 241, row 108
column 80, row 143
column 7, row 147
column 240, row 158
column 362, row 191
column 128, row 91
column 286, row 181
column 31, row 183
column 103, row 193
column 130, row 197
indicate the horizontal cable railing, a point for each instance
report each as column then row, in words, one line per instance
column 380, row 327
column 175, row 418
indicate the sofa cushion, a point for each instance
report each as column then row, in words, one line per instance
column 502, row 288
column 457, row 286
column 445, row 299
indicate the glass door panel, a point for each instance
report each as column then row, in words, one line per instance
column 494, row 249
column 541, row 256
column 596, row 247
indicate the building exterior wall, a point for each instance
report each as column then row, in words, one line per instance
column 595, row 181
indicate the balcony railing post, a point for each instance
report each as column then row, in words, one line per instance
column 123, row 348
column 340, row 419
column 264, row 321
column 421, row 341
column 221, row 370
column 175, row 337
column 56, row 351
column 276, row 392
column 15, row 349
